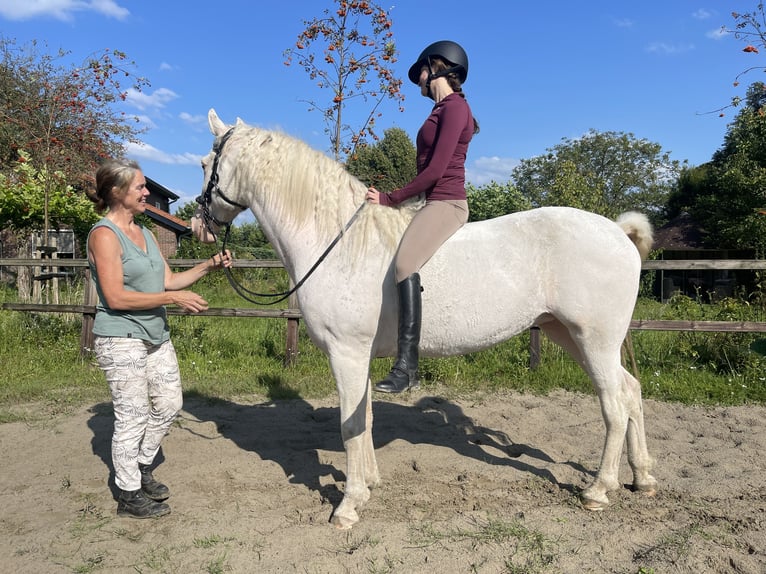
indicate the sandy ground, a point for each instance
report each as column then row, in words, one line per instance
column 483, row 484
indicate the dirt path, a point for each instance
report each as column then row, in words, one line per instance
column 482, row 484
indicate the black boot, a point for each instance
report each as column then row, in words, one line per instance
column 152, row 488
column 135, row 504
column 404, row 374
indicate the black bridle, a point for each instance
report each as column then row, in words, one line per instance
column 205, row 201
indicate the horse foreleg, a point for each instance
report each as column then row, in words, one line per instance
column 638, row 453
column 356, row 431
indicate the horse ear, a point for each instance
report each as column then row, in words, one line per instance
column 240, row 122
column 217, row 127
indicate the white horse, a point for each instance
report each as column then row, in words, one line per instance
column 572, row 273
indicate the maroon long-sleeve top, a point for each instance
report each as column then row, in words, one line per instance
column 442, row 145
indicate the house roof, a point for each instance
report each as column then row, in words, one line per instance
column 170, row 221
column 160, row 189
column 680, row 233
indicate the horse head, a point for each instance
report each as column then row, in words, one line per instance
column 216, row 208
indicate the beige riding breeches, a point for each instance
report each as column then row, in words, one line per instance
column 436, row 222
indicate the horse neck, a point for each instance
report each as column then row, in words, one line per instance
column 302, row 200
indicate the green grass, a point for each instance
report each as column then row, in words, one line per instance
column 225, row 358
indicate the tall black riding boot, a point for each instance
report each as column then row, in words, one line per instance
column 404, row 374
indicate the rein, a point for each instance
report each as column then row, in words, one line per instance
column 205, row 200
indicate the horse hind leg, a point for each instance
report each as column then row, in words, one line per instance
column 620, row 409
column 639, row 459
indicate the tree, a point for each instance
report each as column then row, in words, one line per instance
column 386, row 165
column 356, row 42
column 494, row 200
column 21, row 203
column 749, row 27
column 187, row 210
column 62, row 115
column 603, row 172
column 727, row 196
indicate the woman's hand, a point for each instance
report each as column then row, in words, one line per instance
column 373, row 195
column 221, row 260
column 188, row 301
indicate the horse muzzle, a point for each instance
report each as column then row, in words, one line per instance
column 203, row 230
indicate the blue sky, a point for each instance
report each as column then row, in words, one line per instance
column 539, row 71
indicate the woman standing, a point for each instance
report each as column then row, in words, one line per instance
column 442, row 145
column 132, row 339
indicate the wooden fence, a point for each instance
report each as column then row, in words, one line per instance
column 293, row 314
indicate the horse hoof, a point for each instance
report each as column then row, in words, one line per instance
column 593, row 505
column 646, row 490
column 343, row 522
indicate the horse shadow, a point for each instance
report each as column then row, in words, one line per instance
column 292, row 433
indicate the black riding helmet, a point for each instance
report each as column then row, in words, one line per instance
column 446, row 50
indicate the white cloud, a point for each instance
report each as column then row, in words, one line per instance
column 146, row 121
column 484, row 170
column 140, row 151
column 623, row 23
column 198, row 121
column 63, row 10
column 717, row 34
column 702, row 14
column 154, row 101
column 665, row 48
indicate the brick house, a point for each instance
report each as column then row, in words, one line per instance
column 169, row 229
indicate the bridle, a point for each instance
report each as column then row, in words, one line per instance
column 212, row 187
column 205, row 201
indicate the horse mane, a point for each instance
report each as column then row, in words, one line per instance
column 303, row 185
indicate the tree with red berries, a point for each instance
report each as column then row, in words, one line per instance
column 349, row 52
column 62, row 119
column 749, row 28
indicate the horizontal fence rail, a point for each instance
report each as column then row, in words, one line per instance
column 293, row 315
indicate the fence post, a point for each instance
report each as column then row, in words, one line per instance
column 89, row 298
column 534, row 347
column 291, row 348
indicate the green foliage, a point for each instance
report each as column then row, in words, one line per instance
column 229, row 357
column 187, row 210
column 725, row 196
column 608, row 173
column 246, row 241
column 387, row 165
column 23, row 195
column 493, row 200
column 700, row 367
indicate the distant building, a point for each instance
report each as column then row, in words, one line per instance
column 169, row 229
column 682, row 238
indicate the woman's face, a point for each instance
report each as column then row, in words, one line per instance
column 423, row 80
column 135, row 196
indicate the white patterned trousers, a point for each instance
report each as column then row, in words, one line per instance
column 146, row 393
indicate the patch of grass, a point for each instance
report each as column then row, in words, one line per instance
column 227, row 358
column 217, row 565
column 210, row 541
column 353, row 543
column 531, row 551
column 670, row 547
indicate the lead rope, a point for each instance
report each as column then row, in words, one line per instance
column 248, row 295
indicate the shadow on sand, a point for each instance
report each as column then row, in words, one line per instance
column 291, row 432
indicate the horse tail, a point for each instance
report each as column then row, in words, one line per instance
column 637, row 227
